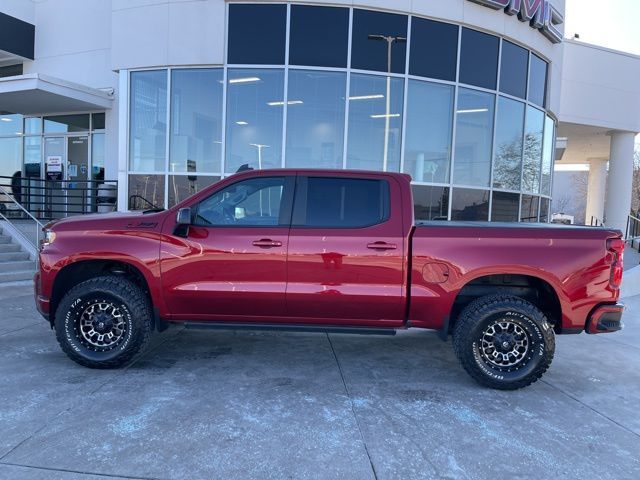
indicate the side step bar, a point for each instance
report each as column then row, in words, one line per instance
column 291, row 328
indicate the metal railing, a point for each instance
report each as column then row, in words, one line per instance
column 52, row 199
column 138, row 202
column 632, row 234
column 26, row 227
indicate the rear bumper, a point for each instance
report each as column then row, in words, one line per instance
column 606, row 319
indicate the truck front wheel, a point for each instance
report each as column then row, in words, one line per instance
column 504, row 342
column 104, row 322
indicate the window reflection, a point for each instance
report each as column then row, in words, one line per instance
column 529, row 212
column 10, row 124
column 548, row 156
column 507, row 162
column 505, row 207
column 66, row 123
column 255, row 101
column 474, row 136
column 468, row 204
column 146, row 192
column 375, row 123
column 430, row 202
column 182, row 187
column 534, row 126
column 97, row 156
column 371, row 52
column 315, row 119
column 148, row 123
column 196, row 120
column 429, row 128
column 544, row 210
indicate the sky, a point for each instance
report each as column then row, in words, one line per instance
column 609, row 23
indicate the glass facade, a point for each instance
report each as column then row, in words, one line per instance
column 305, row 86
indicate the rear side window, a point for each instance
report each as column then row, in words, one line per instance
column 342, row 203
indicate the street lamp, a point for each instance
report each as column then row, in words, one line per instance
column 260, row 147
column 390, row 39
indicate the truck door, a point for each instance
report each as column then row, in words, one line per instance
column 232, row 264
column 346, row 251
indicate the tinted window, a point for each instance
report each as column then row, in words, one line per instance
column 97, row 121
column 474, row 136
column 253, row 202
column 182, row 187
column 529, row 211
column 372, row 53
column 318, row 36
column 505, row 207
column 315, row 119
column 66, row 123
column 548, row 155
column 430, row 202
column 468, row 204
column 343, row 203
column 514, row 69
column 538, row 81
column 507, row 161
column 479, row 59
column 257, row 34
column 544, row 210
column 146, row 191
column 429, row 129
column 434, row 49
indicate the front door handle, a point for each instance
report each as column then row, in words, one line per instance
column 381, row 246
column 266, row 243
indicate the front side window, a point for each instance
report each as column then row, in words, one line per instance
column 250, row 203
column 343, row 203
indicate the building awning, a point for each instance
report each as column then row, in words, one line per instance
column 35, row 94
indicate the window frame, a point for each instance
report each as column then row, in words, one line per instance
column 286, row 205
column 299, row 217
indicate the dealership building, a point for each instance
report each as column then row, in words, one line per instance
column 475, row 99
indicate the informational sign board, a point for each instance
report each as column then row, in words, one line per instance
column 53, row 166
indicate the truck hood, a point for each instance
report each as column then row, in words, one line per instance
column 108, row 221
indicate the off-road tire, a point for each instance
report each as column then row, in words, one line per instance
column 471, row 346
column 128, row 305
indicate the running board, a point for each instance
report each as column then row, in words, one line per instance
column 291, row 328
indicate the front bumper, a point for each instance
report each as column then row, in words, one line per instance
column 42, row 303
column 606, row 319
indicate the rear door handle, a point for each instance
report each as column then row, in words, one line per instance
column 381, row 246
column 266, row 243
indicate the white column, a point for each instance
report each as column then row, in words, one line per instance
column 596, row 190
column 620, row 180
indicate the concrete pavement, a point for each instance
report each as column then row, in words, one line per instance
column 248, row 405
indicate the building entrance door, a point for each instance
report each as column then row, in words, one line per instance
column 66, row 169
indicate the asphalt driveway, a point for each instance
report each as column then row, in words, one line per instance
column 244, row 405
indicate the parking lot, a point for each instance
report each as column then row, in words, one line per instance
column 222, row 404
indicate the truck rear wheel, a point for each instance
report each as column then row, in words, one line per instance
column 504, row 342
column 104, row 322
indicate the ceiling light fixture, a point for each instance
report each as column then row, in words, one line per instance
column 474, row 110
column 367, row 97
column 384, row 115
column 281, row 103
column 244, row 80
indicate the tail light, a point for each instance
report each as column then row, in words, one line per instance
column 615, row 247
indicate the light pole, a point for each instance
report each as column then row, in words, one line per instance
column 260, row 147
column 390, row 39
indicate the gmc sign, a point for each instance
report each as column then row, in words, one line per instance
column 540, row 14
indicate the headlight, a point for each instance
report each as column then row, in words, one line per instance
column 49, row 238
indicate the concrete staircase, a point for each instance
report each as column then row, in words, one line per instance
column 16, row 264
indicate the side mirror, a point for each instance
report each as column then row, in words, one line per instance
column 184, row 216
column 183, row 220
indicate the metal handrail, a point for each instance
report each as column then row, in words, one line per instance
column 150, row 204
column 10, row 197
column 633, row 230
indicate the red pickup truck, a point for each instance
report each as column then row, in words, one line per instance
column 329, row 251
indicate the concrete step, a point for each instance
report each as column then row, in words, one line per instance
column 5, row 239
column 19, row 266
column 16, row 276
column 13, row 256
column 9, row 247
